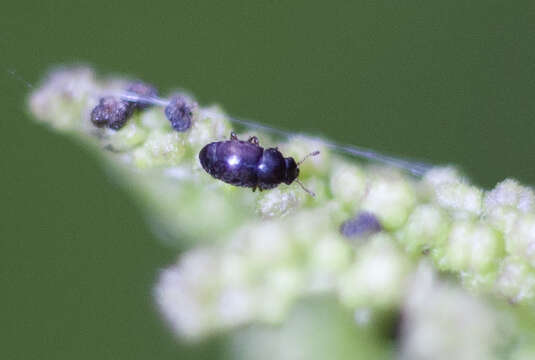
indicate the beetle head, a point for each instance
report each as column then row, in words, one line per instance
column 292, row 171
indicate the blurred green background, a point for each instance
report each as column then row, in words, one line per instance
column 443, row 81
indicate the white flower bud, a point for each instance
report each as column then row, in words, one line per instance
column 160, row 149
column 376, row 278
column 426, row 228
column 348, row 184
column 506, row 202
column 442, row 322
column 516, row 280
column 453, row 192
column 391, row 199
column 520, row 241
column 472, row 246
column 130, row 136
column 279, row 202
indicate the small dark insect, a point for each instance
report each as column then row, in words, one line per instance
column 111, row 112
column 179, row 112
column 247, row 164
column 363, row 224
column 142, row 90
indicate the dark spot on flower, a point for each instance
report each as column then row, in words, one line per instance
column 363, row 224
column 180, row 112
column 111, row 112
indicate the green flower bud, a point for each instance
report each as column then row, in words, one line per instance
column 183, row 292
column 516, row 280
column 520, row 241
column 348, row 184
column 440, row 321
column 377, row 277
column 160, row 149
column 472, row 246
column 505, row 202
column 154, row 119
column 279, row 202
column 62, row 99
column 329, row 258
column 130, row 136
column 462, row 199
column 426, row 229
column 209, row 124
column 281, row 289
column 391, row 198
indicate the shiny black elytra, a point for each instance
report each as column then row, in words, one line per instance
column 247, row 164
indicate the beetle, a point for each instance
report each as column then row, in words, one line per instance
column 247, row 164
column 111, row 112
column 114, row 112
column 179, row 112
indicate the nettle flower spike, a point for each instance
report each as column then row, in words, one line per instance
column 374, row 241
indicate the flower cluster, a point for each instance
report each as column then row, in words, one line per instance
column 257, row 255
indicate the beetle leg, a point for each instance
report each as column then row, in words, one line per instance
column 233, row 136
column 253, row 140
column 254, row 189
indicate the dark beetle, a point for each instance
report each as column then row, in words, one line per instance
column 179, row 112
column 114, row 112
column 247, row 164
column 111, row 112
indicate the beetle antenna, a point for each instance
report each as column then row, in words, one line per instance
column 314, row 153
column 309, row 192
